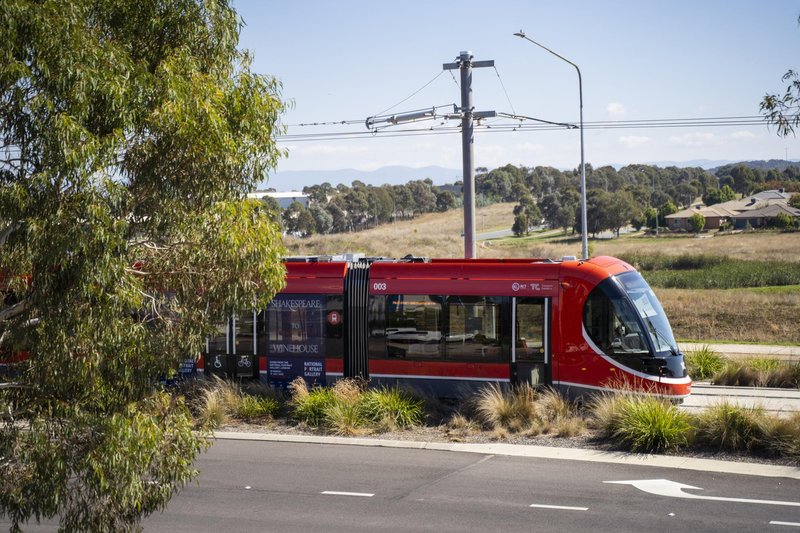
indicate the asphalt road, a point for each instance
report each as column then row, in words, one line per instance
column 269, row 486
column 292, row 487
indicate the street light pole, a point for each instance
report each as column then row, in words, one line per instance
column 584, row 235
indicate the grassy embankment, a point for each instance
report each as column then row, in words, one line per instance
column 624, row 421
column 734, row 288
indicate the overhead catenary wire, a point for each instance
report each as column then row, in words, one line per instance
column 409, row 96
column 542, row 125
column 503, row 85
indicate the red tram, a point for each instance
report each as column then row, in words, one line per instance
column 445, row 325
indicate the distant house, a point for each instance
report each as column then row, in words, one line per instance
column 757, row 218
column 714, row 216
column 757, row 209
column 284, row 199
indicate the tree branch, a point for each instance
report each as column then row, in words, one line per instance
column 14, row 310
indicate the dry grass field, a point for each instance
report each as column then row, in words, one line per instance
column 738, row 315
column 431, row 235
column 735, row 315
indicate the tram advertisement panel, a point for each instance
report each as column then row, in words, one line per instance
column 296, row 344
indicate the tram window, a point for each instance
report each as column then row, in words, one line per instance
column 413, row 326
column 243, row 331
column 473, row 328
column 218, row 342
column 611, row 323
column 530, row 330
column 377, row 327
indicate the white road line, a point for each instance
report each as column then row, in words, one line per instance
column 776, row 523
column 562, row 507
column 337, row 493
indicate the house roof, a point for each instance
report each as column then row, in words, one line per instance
column 707, row 212
column 769, row 211
column 772, row 194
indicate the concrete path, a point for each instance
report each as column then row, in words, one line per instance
column 781, row 402
column 743, row 351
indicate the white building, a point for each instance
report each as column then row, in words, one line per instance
column 284, row 199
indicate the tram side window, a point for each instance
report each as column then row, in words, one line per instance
column 243, row 331
column 530, row 330
column 218, row 342
column 414, row 326
column 377, row 327
column 474, row 328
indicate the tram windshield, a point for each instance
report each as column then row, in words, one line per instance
column 650, row 312
column 624, row 318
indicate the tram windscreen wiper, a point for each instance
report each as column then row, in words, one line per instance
column 661, row 336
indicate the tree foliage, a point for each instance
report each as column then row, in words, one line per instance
column 783, row 110
column 697, row 222
column 131, row 133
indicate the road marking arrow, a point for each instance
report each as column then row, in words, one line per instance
column 673, row 489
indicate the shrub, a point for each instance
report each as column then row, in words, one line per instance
column 738, row 374
column 511, row 409
column 764, row 364
column 256, row 408
column 604, row 412
column 463, row 424
column 345, row 418
column 392, row 407
column 650, row 424
column 730, row 427
column 785, row 376
column 783, row 437
column 702, row 364
column 220, row 400
column 552, row 406
column 309, row 405
column 697, row 222
column 571, row 426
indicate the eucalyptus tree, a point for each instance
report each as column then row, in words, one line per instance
column 130, row 133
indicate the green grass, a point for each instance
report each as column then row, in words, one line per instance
column 310, row 407
column 707, row 271
column 392, row 408
column 704, row 363
column 783, row 437
column 732, row 428
column 650, row 424
column 254, row 408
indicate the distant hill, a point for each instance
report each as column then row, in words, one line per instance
column 777, row 164
column 397, row 175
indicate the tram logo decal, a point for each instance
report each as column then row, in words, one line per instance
column 531, row 287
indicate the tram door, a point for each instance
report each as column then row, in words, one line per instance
column 530, row 351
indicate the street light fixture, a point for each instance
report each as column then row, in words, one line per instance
column 584, row 237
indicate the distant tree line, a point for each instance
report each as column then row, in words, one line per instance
column 639, row 195
column 360, row 206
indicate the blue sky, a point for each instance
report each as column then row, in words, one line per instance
column 347, row 60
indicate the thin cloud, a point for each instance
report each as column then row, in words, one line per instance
column 633, row 141
column 616, row 110
column 695, row 139
column 738, row 135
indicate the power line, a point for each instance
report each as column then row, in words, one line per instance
column 409, row 96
